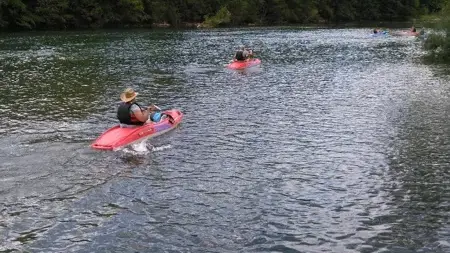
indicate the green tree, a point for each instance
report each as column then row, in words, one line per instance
column 16, row 15
column 62, row 14
column 222, row 17
column 326, row 10
column 438, row 44
column 345, row 10
column 129, row 12
column 432, row 6
column 368, row 10
column 90, row 13
column 3, row 23
column 53, row 13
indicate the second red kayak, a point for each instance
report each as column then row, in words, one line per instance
column 118, row 137
column 244, row 64
column 408, row 33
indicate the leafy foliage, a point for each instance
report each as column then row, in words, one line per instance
column 438, row 43
column 66, row 14
column 222, row 17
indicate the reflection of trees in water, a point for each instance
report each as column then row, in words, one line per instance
column 53, row 81
column 419, row 164
column 65, row 76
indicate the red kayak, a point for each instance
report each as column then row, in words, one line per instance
column 244, row 64
column 117, row 137
column 408, row 33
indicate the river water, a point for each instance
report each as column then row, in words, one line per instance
column 339, row 142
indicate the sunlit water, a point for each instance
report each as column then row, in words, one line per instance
column 339, row 142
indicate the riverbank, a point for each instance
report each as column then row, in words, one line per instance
column 387, row 24
column 193, row 25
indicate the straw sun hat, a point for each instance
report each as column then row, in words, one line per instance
column 128, row 95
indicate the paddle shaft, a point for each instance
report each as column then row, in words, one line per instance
column 157, row 108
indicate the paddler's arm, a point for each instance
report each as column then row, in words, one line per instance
column 142, row 116
column 153, row 108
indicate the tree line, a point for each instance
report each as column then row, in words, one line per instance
column 437, row 40
column 74, row 14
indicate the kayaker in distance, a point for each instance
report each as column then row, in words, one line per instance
column 242, row 54
column 378, row 30
column 131, row 114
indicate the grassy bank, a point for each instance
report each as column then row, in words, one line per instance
column 437, row 43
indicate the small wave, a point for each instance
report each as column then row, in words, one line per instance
column 143, row 147
column 161, row 148
column 139, row 148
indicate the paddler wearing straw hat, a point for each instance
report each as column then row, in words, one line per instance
column 131, row 113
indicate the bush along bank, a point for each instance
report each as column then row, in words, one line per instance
column 76, row 14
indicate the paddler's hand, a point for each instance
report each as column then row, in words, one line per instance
column 152, row 108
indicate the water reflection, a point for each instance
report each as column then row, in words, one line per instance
column 418, row 162
column 40, row 84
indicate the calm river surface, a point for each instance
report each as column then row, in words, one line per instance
column 339, row 142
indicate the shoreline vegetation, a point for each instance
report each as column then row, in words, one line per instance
column 65, row 15
column 19, row 15
column 437, row 43
column 364, row 24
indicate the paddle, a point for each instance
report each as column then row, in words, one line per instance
column 156, row 107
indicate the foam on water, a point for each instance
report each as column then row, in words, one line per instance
column 143, row 147
column 140, row 146
column 161, row 148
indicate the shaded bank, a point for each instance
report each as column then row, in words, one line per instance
column 437, row 43
column 75, row 14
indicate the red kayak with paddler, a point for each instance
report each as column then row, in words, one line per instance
column 118, row 137
column 243, row 59
column 136, row 123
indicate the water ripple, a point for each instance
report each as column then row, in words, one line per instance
column 337, row 143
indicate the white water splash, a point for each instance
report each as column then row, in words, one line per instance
column 142, row 148
column 155, row 149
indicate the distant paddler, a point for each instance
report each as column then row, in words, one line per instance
column 243, row 54
column 379, row 31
